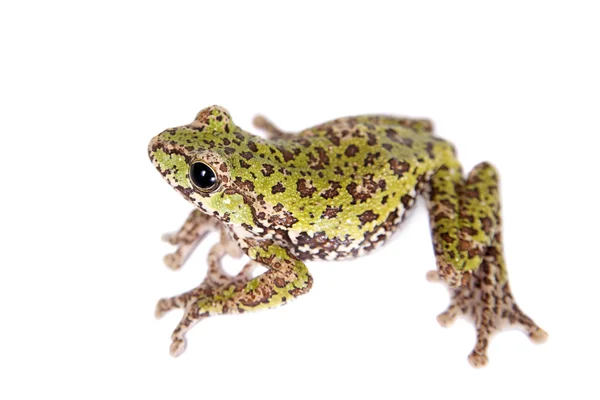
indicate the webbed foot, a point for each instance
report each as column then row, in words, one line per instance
column 486, row 298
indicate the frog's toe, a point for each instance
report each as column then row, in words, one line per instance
column 447, row 317
column 478, row 360
column 433, row 276
column 193, row 314
column 519, row 318
column 177, row 347
column 538, row 336
column 173, row 261
column 170, row 238
column 163, row 306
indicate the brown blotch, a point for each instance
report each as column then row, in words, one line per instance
column 465, row 230
column 223, row 167
column 332, row 191
column 279, row 282
column 320, row 161
column 446, row 237
column 247, row 155
column 246, row 185
column 372, row 141
column 471, row 193
column 229, row 150
column 244, row 164
column 331, row 212
column 305, row 188
column 335, row 139
column 278, row 188
column 252, row 146
column 351, row 150
column 486, row 224
column 370, row 158
column 399, row 167
column 287, row 155
column 363, row 192
column 320, row 241
column 285, row 219
column 267, row 170
column 367, row 216
column 429, row 150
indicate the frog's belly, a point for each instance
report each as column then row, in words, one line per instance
column 319, row 246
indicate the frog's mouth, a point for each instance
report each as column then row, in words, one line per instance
column 171, row 164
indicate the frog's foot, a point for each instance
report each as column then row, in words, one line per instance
column 489, row 302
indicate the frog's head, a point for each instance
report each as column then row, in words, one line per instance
column 198, row 161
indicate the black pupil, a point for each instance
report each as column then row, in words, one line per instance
column 203, row 176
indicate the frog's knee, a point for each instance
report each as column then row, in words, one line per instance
column 484, row 169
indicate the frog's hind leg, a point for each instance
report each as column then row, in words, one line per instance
column 483, row 293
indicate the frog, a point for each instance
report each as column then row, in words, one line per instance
column 335, row 191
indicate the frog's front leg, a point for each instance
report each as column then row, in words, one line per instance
column 272, row 131
column 215, row 275
column 286, row 278
column 466, row 230
column 188, row 237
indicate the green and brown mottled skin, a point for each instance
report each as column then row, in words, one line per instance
column 335, row 191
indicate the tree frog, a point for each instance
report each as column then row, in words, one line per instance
column 335, row 191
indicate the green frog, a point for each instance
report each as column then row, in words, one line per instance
column 335, row 191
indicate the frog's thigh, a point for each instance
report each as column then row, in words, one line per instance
column 464, row 216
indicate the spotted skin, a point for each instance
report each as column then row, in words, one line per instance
column 334, row 191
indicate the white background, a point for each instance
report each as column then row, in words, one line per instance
column 84, row 87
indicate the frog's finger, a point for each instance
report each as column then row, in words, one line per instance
column 286, row 278
column 195, row 226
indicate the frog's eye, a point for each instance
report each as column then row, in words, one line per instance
column 203, row 177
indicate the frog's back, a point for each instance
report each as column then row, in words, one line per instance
column 360, row 176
